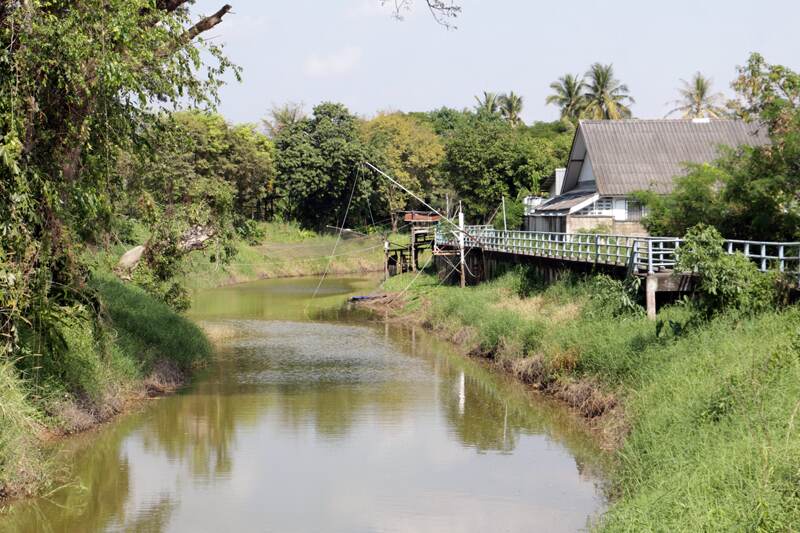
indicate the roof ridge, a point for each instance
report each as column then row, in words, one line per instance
column 662, row 120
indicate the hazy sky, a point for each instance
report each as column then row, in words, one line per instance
column 354, row 52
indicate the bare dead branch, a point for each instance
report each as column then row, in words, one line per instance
column 195, row 238
column 206, row 23
column 443, row 11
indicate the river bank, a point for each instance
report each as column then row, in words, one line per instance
column 700, row 414
column 141, row 348
column 285, row 250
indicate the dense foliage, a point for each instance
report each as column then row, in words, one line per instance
column 727, row 282
column 320, row 168
column 752, row 193
column 78, row 85
column 411, row 152
column 596, row 95
column 487, row 159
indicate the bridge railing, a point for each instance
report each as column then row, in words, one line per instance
column 641, row 254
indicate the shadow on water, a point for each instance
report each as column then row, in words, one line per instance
column 313, row 418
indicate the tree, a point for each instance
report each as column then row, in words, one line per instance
column 197, row 145
column 198, row 179
column 697, row 99
column 769, row 94
column 568, row 96
column 78, row 84
column 410, row 152
column 443, row 11
column 319, row 159
column 281, row 116
column 489, row 104
column 443, row 120
column 750, row 192
column 488, row 159
column 606, row 98
column 511, row 107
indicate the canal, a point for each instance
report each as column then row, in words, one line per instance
column 313, row 417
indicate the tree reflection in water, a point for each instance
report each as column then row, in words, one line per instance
column 323, row 382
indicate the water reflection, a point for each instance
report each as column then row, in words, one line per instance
column 334, row 426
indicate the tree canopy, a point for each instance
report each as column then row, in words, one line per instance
column 411, row 152
column 698, row 100
column 488, row 159
column 318, row 160
column 752, row 192
column 79, row 82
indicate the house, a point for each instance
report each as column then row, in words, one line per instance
column 612, row 159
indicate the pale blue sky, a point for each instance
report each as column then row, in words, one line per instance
column 354, row 52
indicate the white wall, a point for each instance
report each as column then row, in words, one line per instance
column 586, row 170
column 620, row 211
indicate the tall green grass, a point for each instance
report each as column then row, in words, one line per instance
column 712, row 405
column 147, row 330
column 89, row 372
column 20, row 461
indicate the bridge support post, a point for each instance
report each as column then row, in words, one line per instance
column 461, row 239
column 385, row 260
column 651, row 286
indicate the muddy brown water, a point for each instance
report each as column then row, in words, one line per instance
column 313, row 418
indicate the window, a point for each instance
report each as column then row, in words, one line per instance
column 601, row 207
column 633, row 210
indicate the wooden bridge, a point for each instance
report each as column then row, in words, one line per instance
column 653, row 258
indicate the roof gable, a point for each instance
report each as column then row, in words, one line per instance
column 632, row 155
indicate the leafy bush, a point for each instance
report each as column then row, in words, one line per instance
column 250, row 231
column 614, row 297
column 726, row 281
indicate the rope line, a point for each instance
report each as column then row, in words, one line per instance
column 335, row 244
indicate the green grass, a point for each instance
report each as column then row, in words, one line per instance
column 286, row 250
column 148, row 330
column 20, row 461
column 713, row 410
column 95, row 367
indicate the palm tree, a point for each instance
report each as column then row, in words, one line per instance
column 606, row 97
column 511, row 107
column 697, row 100
column 568, row 95
column 489, row 104
column 281, row 116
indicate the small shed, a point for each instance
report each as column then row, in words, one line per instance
column 421, row 217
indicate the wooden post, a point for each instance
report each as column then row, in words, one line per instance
column 505, row 222
column 385, row 260
column 461, row 245
column 651, row 286
column 413, row 249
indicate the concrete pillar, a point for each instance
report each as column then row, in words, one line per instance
column 651, row 287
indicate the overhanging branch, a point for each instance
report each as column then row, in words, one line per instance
column 206, row 23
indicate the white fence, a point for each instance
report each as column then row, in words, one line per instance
column 640, row 254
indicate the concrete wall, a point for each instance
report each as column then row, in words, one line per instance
column 578, row 224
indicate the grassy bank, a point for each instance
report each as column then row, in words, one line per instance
column 83, row 372
column 282, row 250
column 286, row 250
column 702, row 414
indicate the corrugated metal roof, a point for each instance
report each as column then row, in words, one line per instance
column 565, row 201
column 632, row 155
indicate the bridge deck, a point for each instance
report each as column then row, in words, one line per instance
column 641, row 255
